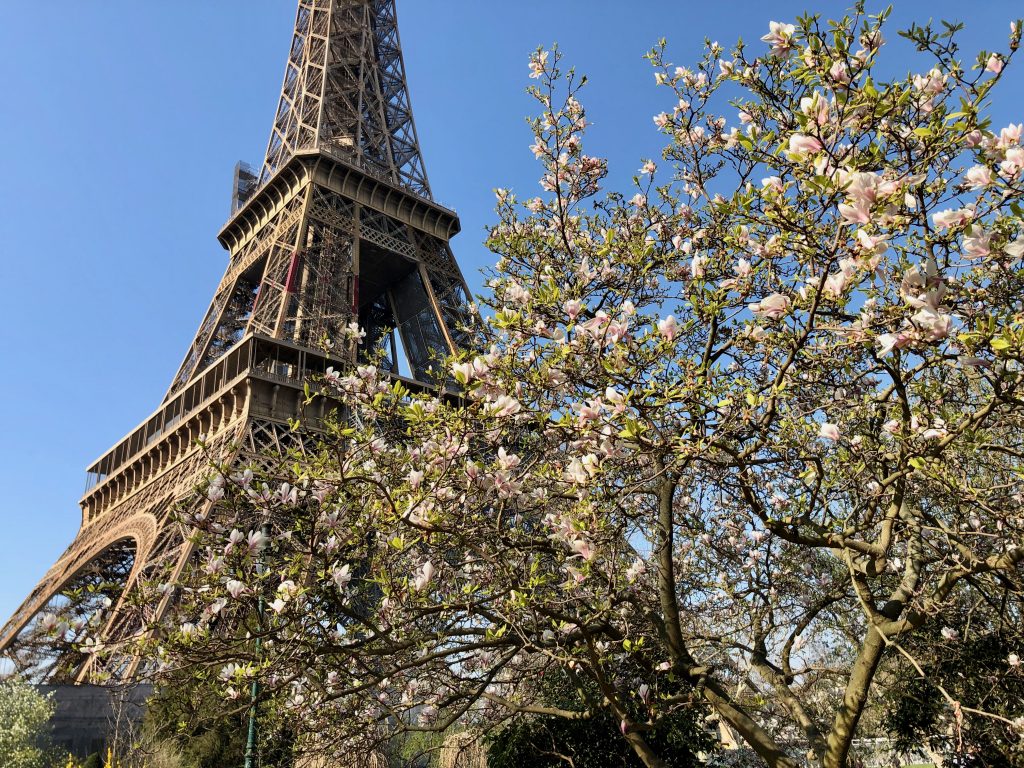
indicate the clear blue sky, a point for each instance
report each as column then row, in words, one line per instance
column 122, row 121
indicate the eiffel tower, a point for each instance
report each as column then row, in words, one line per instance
column 337, row 230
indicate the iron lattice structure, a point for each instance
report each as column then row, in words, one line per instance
column 339, row 226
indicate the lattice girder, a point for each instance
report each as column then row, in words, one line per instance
column 340, row 228
column 345, row 90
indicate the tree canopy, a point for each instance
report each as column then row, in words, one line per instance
column 730, row 439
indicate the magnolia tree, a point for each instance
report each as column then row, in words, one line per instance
column 729, row 440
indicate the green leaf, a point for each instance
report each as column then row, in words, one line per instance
column 1000, row 343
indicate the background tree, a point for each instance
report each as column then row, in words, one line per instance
column 730, row 440
column 187, row 717
column 927, row 701
column 25, row 717
column 550, row 741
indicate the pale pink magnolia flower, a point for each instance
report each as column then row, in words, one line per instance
column 576, row 473
column 504, row 406
column 244, row 478
column 858, row 213
column 595, row 325
column 1014, row 162
column 256, row 541
column 649, row 167
column 892, row 426
column 839, row 72
column 229, row 671
column 342, row 576
column 973, row 139
column 635, row 571
column 288, row 589
column 936, row 431
column 994, row 64
column 887, row 342
column 931, row 83
column 235, row 588
column 424, row 575
column 538, row 61
column 638, row 200
column 278, row 605
column 617, row 331
column 584, row 549
column 235, row 538
column 616, row 398
column 952, row 218
column 875, row 245
column 1010, row 135
column 828, row 431
column 745, row 117
column 554, row 377
column 869, row 187
column 950, row 634
column 215, row 607
column 801, row 145
column 872, row 40
column 780, row 38
column 668, row 327
column 934, row 325
column 1015, row 248
column 774, row 307
column 286, row 494
column 977, row 244
column 415, row 478
column 837, row 282
column 931, row 322
column 697, row 266
column 978, row 177
column 427, row 715
column 663, row 119
column 1013, row 660
column 773, row 182
column 815, row 107
column 463, row 372
column 591, row 410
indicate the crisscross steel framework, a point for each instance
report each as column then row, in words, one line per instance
column 338, row 228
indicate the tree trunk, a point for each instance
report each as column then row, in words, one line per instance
column 644, row 752
column 857, row 687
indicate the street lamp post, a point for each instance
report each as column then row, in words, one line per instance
column 254, row 691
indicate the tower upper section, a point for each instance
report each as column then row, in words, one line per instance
column 345, row 93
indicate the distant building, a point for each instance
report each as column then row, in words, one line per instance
column 88, row 718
